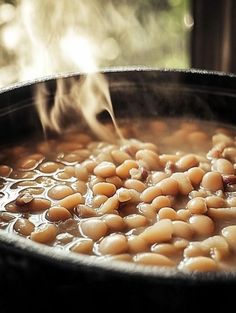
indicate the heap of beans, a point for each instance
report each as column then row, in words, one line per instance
column 167, row 198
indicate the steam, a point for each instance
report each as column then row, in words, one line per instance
column 89, row 97
column 81, row 35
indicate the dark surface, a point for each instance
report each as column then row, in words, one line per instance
column 213, row 40
column 70, row 283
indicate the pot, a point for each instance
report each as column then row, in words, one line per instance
column 53, row 280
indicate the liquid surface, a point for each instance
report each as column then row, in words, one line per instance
column 166, row 197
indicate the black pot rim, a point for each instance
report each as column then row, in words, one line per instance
column 191, row 71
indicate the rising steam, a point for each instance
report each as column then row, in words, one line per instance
column 82, row 35
column 89, row 97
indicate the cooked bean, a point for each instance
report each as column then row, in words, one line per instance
column 57, row 213
column 149, row 146
column 27, row 183
column 180, row 243
column 99, row 200
column 68, row 146
column 5, row 170
column 63, row 176
column 114, row 222
column 222, row 138
column 149, row 258
column 131, row 148
column 6, row 217
column 113, row 244
column 183, row 214
column 197, row 205
column 115, row 180
column 195, row 175
column 12, row 207
column 71, row 201
column 161, row 202
column 80, row 186
column 123, row 194
column 182, row 229
column 120, row 156
column 156, row 177
column 230, row 201
column 230, row 154
column 199, row 263
column 24, row 199
column 22, row 174
column 167, row 212
column 64, row 238
column 90, row 165
column 223, row 166
column 60, row 191
column 33, row 191
column 83, row 210
column 222, row 213
column 135, row 196
column 159, row 232
column 169, row 186
column 184, row 184
column 195, row 249
column 123, row 170
column 147, row 210
column 229, row 234
column 81, row 172
column 166, row 249
column 205, row 166
column 83, row 246
column 27, row 163
column 69, row 170
column 150, row 193
column 135, row 221
column 150, row 158
column 212, row 181
column 202, row 225
column 140, row 173
column 119, row 257
column 24, row 226
column 217, row 247
column 215, row 202
column 94, row 228
column 104, row 157
column 134, row 184
column 106, row 189
column 200, row 193
column 137, row 244
column 75, row 156
column 49, row 167
column 39, row 204
column 186, row 162
column 95, row 180
column 44, row 233
column 105, row 169
column 109, row 206
column 229, row 181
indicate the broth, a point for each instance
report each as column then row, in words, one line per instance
column 166, row 197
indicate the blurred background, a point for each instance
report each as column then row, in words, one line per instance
column 43, row 37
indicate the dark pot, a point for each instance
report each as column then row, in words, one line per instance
column 54, row 281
